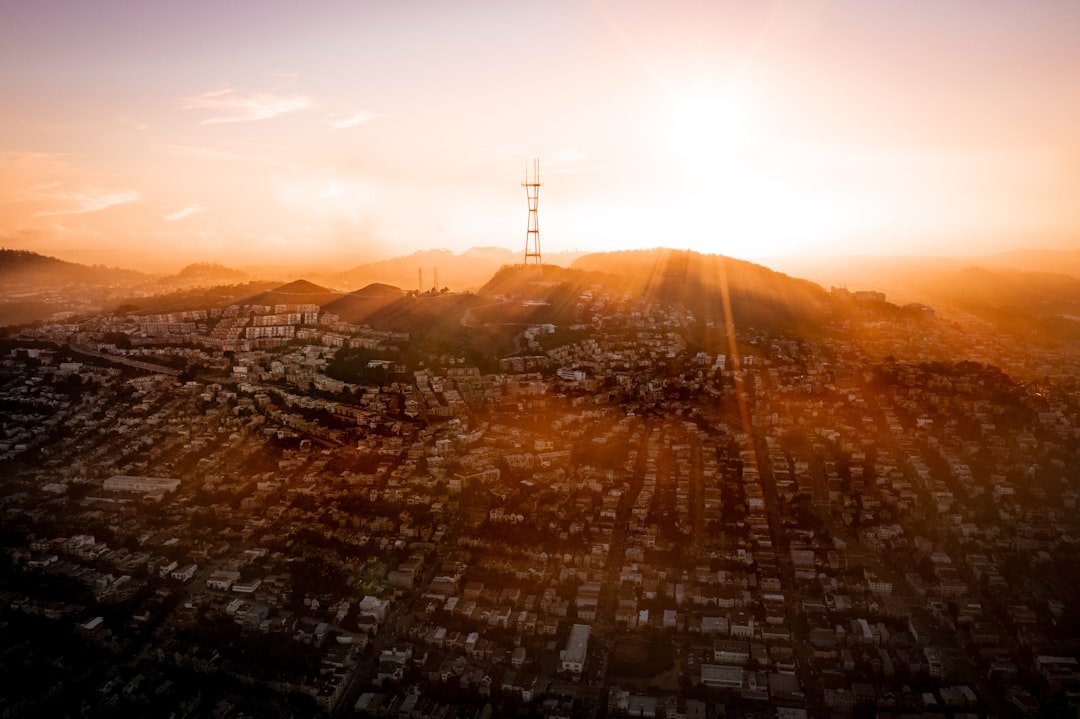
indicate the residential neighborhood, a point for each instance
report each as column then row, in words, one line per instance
column 205, row 515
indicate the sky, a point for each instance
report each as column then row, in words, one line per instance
column 253, row 132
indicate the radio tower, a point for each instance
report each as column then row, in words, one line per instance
column 532, row 234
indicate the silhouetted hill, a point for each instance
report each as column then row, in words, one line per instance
column 206, row 274
column 712, row 287
column 757, row 295
column 295, row 293
column 359, row 306
column 23, row 267
column 378, row 289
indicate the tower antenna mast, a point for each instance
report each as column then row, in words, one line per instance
column 532, row 233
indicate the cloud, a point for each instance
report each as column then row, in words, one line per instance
column 182, row 213
column 227, row 105
column 137, row 124
column 342, row 121
column 86, row 202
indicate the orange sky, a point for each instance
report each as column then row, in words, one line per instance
column 151, row 135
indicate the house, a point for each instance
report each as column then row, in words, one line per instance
column 222, row 580
column 247, row 587
column 742, row 625
column 392, row 665
column 185, row 573
column 731, row 651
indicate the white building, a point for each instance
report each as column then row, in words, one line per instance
column 184, row 574
column 577, row 648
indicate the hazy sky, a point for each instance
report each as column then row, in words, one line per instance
column 254, row 132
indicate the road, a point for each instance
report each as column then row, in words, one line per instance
column 137, row 364
column 466, row 318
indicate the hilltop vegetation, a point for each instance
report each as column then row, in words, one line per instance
column 22, row 267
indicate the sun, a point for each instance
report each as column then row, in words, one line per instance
column 707, row 127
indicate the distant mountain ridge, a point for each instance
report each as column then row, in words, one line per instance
column 995, row 287
column 466, row 271
column 1052, row 261
column 201, row 274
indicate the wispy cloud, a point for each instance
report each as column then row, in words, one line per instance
column 137, row 124
column 81, row 203
column 342, row 121
column 228, row 105
column 182, row 213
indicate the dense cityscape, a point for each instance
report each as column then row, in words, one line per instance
column 300, row 419
column 259, row 508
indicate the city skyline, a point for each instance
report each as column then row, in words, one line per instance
column 150, row 136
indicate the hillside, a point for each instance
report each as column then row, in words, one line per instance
column 22, row 267
column 299, row 292
column 358, row 307
column 194, row 298
column 712, row 287
column 435, row 323
column 757, row 295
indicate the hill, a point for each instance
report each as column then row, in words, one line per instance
column 433, row 321
column 299, row 292
column 713, row 286
column 192, row 298
column 22, row 267
column 1037, row 305
column 358, row 307
column 206, row 274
